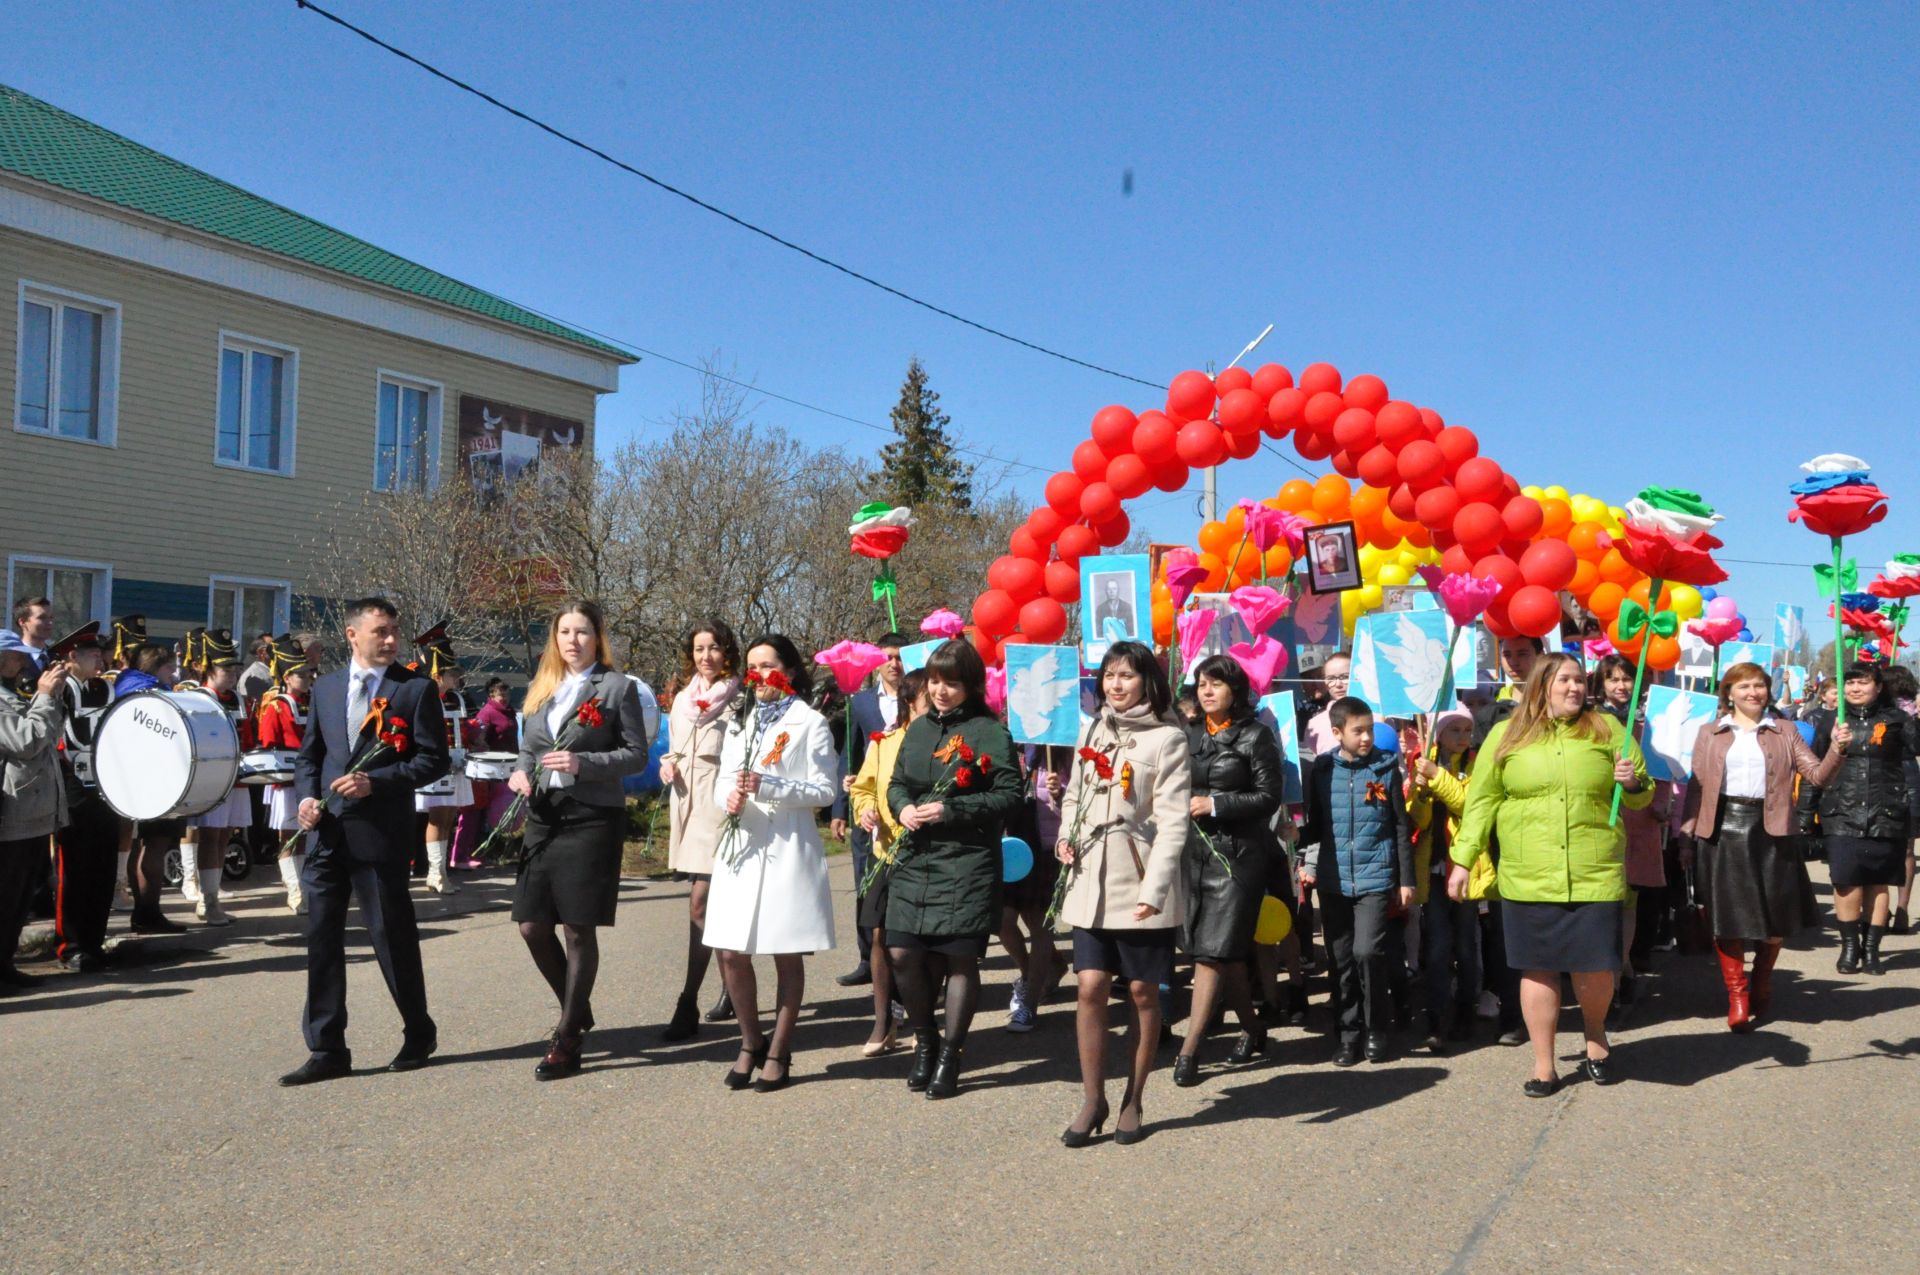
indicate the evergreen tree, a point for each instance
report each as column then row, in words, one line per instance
column 921, row 466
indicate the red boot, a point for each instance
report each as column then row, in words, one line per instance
column 1733, row 969
column 1764, row 955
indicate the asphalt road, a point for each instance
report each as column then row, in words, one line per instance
column 143, row 1131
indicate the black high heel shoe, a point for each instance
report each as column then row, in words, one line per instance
column 722, row 1009
column 763, row 1085
column 926, row 1047
column 1186, row 1071
column 946, row 1073
column 1250, row 1046
column 737, row 1080
column 1077, row 1138
column 1123, row 1137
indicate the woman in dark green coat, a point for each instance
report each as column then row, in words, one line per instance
column 955, row 784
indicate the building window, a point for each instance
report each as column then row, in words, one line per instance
column 406, row 453
column 80, row 591
column 256, row 413
column 247, row 608
column 69, row 364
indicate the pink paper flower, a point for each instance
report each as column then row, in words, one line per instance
column 1263, row 659
column 1715, row 631
column 1193, row 628
column 1267, row 527
column 997, row 688
column 1183, row 574
column 1259, row 606
column 1597, row 648
column 943, row 624
column 851, row 662
column 1465, row 597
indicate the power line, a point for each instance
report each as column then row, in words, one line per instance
column 697, row 202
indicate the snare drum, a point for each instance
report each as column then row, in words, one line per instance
column 165, row 755
column 495, row 767
column 268, row 766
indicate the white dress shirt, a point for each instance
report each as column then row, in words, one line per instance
column 567, row 698
column 889, row 707
column 1746, row 773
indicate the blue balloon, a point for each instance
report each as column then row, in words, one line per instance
column 1016, row 859
column 1806, row 731
column 1385, row 738
column 1709, row 593
column 1745, row 635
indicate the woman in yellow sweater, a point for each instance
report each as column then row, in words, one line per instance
column 866, row 795
column 1449, row 929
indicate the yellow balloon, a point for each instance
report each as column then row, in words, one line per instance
column 1275, row 922
column 1587, row 509
column 1532, row 493
column 1369, row 561
column 1557, row 492
column 1371, row 596
column 1393, row 574
column 1687, row 602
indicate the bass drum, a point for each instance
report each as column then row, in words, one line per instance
column 165, row 755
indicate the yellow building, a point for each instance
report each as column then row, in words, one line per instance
column 196, row 376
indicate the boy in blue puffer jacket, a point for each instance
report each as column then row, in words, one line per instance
column 1357, row 815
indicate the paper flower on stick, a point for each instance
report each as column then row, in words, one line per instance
column 1183, row 574
column 1465, row 597
column 943, row 624
column 1267, row 526
column 1837, row 498
column 1597, row 648
column 1901, row 578
column 880, row 530
column 1259, row 606
column 851, row 662
column 1859, row 602
column 1669, row 536
column 1193, row 628
column 1715, row 631
column 997, row 688
column 1263, row 659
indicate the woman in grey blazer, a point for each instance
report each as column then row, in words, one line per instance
column 584, row 733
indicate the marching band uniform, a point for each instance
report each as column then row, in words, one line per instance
column 129, row 635
column 85, row 846
column 282, row 724
column 235, row 811
column 456, row 790
column 192, row 653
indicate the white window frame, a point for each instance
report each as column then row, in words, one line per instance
column 436, row 413
column 102, row 588
column 289, row 400
column 47, row 294
column 282, row 609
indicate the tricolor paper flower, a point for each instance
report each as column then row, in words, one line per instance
column 1465, row 597
column 851, row 662
column 1259, row 606
column 1183, row 574
column 1901, row 578
column 1669, row 536
column 1263, row 659
column 880, row 530
column 1838, row 497
column 943, row 624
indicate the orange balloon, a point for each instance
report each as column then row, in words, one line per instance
column 1313, row 518
column 1377, row 535
column 1664, row 653
column 1629, row 649
column 1367, row 505
column 1216, row 572
column 1605, row 600
column 1279, row 561
column 1587, row 540
column 1556, row 519
column 1160, row 591
column 1295, row 495
column 1236, row 521
column 1216, row 539
column 1163, row 620
column 1615, row 569
column 1585, row 577
column 1642, row 587
column 1330, row 496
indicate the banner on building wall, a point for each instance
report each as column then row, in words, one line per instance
column 501, row 442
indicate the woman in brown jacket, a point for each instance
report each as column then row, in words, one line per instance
column 1747, row 866
column 1123, row 830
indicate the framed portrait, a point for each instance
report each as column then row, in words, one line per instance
column 1333, row 558
column 1116, row 603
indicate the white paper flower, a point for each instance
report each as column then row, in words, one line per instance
column 1834, row 463
column 1641, row 514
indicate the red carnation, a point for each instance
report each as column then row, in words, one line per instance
column 589, row 714
column 986, row 762
column 1840, row 511
column 877, row 736
column 966, row 753
column 963, row 778
column 777, row 679
column 1102, row 766
column 1674, row 559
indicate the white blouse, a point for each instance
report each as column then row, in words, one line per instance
column 1746, row 774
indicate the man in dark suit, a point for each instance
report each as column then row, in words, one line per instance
column 877, row 708
column 33, row 621
column 358, row 792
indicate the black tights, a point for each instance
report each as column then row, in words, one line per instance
column 570, row 973
column 915, row 981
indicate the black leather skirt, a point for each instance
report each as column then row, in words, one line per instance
column 1754, row 885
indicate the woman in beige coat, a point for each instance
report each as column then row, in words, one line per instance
column 1123, row 828
column 696, row 726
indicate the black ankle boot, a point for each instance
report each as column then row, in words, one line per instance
column 1849, row 961
column 926, row 1046
column 946, row 1073
column 1870, row 955
column 722, row 1009
column 685, row 1022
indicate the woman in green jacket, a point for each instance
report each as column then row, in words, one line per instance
column 955, row 783
column 1541, row 792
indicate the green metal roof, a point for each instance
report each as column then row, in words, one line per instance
column 47, row 144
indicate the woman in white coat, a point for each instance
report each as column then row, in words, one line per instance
column 769, row 894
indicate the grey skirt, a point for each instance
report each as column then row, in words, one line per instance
column 1570, row 938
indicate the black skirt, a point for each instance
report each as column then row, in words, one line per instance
column 871, row 912
column 1223, row 900
column 571, row 872
column 1753, row 884
column 1858, row 861
column 1571, row 938
column 1138, row 956
column 963, row 945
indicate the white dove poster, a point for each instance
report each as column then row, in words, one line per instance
column 1043, row 694
column 1789, row 629
column 1733, row 653
column 914, row 658
column 1674, row 719
column 1400, row 661
column 1277, row 713
column 1796, row 677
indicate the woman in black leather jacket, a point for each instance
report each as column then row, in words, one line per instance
column 1864, row 817
column 1236, row 790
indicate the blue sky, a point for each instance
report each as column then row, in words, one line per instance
column 1626, row 244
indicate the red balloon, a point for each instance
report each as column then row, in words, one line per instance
column 1476, row 479
column 1063, row 494
column 1501, row 569
column 1478, row 527
column 1430, row 422
column 1270, row 378
column 1242, row 411
column 1234, row 378
column 1421, row 463
column 1045, row 522
column 1089, row 462
column 1437, row 505
column 1153, row 438
column 1532, row 610
column 1114, row 531
column 1098, row 502
column 1285, row 410
column 1019, row 578
column 1353, row 430
column 1317, row 377
column 1367, row 391
column 1043, row 620
column 1190, row 397
column 1113, row 430
column 1378, row 467
column 1323, row 409
column 1456, row 561
column 1171, row 476
column 1401, row 501
column 1076, row 542
column 1200, row 444
column 995, row 613
column 1398, row 424
column 1312, row 446
column 1549, row 564
column 1129, row 476
column 1063, row 582
column 1241, row 446
column 1024, row 544
column 987, row 646
column 1496, row 620
column 1345, row 463
column 1457, row 444
column 1523, row 517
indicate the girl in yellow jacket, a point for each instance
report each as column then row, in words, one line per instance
column 866, row 794
column 1449, row 930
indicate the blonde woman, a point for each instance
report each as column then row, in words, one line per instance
column 584, row 734
column 696, row 728
column 867, row 797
